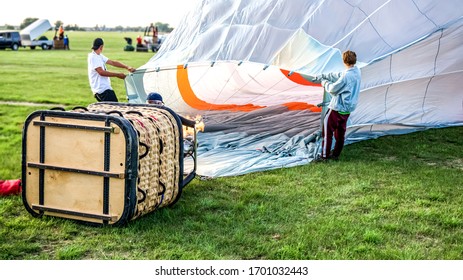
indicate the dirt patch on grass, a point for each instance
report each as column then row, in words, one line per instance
column 32, row 104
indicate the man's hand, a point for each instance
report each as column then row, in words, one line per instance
column 319, row 78
column 131, row 69
column 121, row 75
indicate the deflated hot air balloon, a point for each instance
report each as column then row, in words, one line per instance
column 245, row 67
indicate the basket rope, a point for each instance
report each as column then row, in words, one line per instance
column 159, row 163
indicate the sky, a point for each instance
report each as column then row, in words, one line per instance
column 89, row 13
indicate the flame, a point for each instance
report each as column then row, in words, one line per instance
column 199, row 126
column 199, row 123
column 187, row 131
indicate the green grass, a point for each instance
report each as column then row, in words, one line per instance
column 396, row 197
column 59, row 76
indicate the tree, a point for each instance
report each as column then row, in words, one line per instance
column 164, row 27
column 9, row 26
column 74, row 27
column 27, row 22
column 58, row 23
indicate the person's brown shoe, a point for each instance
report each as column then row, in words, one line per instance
column 320, row 160
column 335, row 158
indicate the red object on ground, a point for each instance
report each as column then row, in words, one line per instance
column 8, row 187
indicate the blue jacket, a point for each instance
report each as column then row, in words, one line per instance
column 344, row 88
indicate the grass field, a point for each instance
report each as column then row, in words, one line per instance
column 59, row 76
column 396, row 197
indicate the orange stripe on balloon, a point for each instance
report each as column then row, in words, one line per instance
column 298, row 79
column 193, row 101
column 298, row 106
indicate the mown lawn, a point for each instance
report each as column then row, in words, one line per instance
column 396, row 197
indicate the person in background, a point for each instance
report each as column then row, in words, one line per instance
column 61, row 32
column 99, row 76
column 344, row 88
column 66, row 42
column 139, row 41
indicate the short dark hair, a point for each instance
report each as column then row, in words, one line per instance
column 98, row 42
column 349, row 57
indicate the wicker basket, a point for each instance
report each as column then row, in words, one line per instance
column 105, row 164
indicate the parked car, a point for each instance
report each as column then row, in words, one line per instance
column 42, row 42
column 10, row 39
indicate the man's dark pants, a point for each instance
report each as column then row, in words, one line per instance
column 333, row 124
column 107, row 95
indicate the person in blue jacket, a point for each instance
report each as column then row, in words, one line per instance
column 344, row 88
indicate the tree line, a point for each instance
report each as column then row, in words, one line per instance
column 162, row 27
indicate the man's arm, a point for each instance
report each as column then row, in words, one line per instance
column 331, row 77
column 118, row 64
column 106, row 73
column 336, row 87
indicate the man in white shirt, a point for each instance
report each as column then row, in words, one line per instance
column 98, row 76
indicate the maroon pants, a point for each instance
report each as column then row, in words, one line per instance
column 334, row 124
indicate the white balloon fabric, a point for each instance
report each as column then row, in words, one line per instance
column 245, row 67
